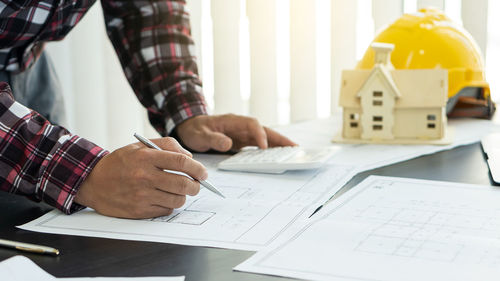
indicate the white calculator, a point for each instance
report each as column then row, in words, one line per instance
column 277, row 160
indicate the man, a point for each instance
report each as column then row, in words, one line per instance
column 45, row 162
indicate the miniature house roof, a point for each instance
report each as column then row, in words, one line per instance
column 383, row 53
column 381, row 71
column 418, row 88
column 382, row 47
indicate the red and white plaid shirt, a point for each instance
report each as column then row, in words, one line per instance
column 152, row 40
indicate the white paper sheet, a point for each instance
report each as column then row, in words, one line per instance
column 20, row 268
column 395, row 229
column 370, row 156
column 260, row 207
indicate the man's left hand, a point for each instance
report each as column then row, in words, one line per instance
column 227, row 132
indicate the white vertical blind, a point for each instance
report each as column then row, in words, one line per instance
column 323, row 61
column 283, row 60
column 201, row 32
column 475, row 24
column 122, row 104
column 196, row 14
column 60, row 54
column 263, row 60
column 409, row 6
column 303, row 60
column 343, row 36
column 453, row 10
column 493, row 50
column 430, row 3
column 227, row 64
column 386, row 11
column 89, row 87
column 207, row 53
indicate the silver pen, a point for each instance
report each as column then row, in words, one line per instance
column 204, row 183
column 27, row 247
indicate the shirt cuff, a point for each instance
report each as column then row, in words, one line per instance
column 69, row 166
column 183, row 107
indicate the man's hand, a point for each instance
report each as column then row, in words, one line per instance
column 130, row 182
column 225, row 132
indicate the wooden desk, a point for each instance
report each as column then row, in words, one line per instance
column 85, row 256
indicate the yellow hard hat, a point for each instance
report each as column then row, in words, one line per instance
column 429, row 39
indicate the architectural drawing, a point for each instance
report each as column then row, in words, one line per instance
column 385, row 105
column 258, row 209
column 394, row 229
column 190, row 217
column 234, row 191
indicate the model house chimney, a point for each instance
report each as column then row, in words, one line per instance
column 383, row 53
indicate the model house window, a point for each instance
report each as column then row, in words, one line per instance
column 377, row 103
column 431, row 117
column 378, row 118
column 377, row 127
column 431, row 126
column 377, row 94
column 354, row 124
column 354, row 116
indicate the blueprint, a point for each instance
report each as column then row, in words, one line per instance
column 257, row 210
column 394, row 229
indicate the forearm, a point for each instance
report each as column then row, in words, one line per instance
column 40, row 160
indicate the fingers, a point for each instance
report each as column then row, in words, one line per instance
column 171, row 144
column 165, row 192
column 175, row 184
column 166, row 160
column 276, row 139
column 168, row 200
column 170, row 193
column 219, row 141
column 258, row 133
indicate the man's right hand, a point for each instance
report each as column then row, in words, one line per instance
column 130, row 182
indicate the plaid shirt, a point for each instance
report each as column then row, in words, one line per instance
column 152, row 40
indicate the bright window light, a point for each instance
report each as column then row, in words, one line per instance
column 493, row 49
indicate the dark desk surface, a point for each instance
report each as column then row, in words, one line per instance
column 86, row 257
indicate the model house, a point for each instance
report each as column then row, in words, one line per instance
column 385, row 105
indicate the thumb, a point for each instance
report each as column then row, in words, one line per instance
column 219, row 141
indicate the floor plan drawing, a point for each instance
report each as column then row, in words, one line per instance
column 257, row 210
column 189, row 217
column 234, row 191
column 395, row 229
